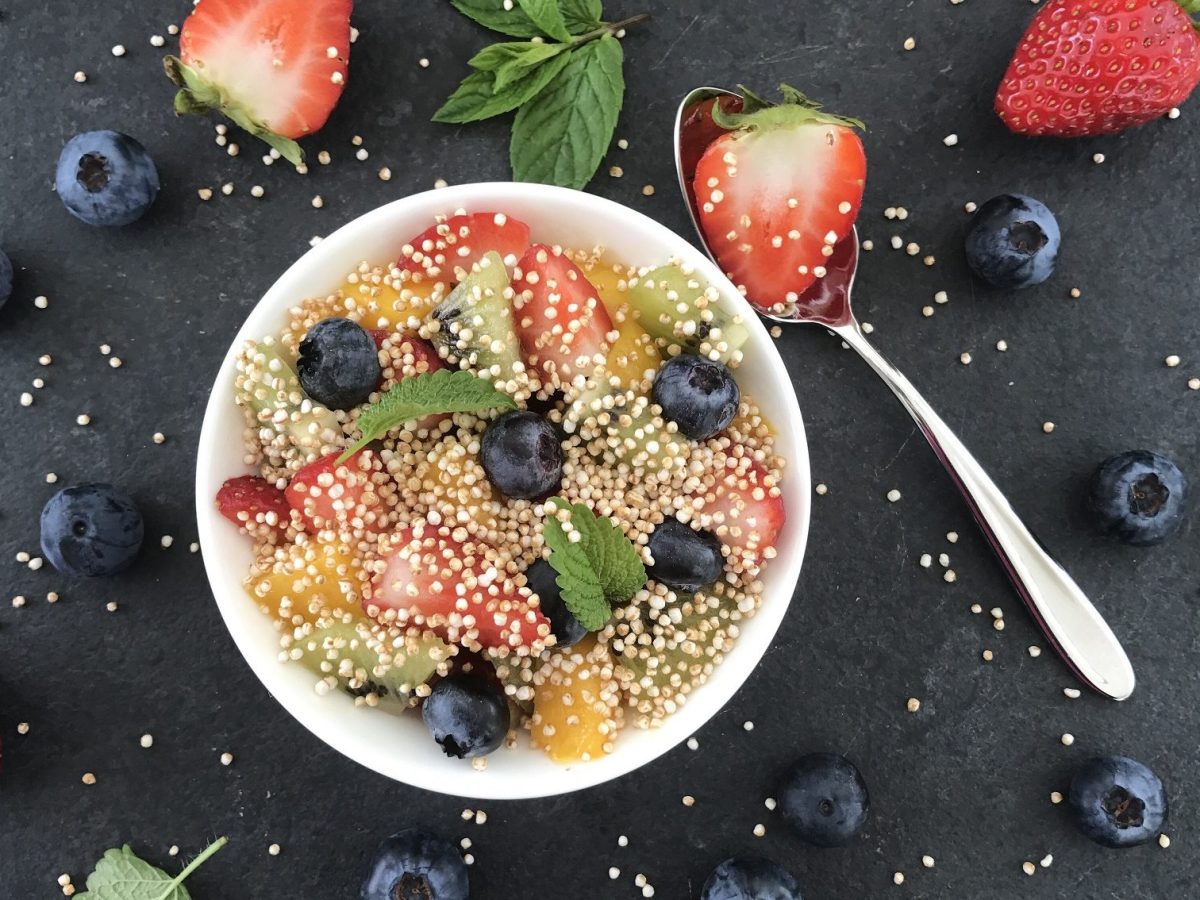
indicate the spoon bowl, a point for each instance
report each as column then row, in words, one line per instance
column 1072, row 625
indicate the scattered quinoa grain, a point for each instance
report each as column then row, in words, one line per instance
column 1035, row 651
column 1067, row 739
column 1164, row 841
column 88, row 778
column 118, row 50
column 440, row 183
column 385, row 174
column 480, row 817
column 912, row 248
column 111, row 606
column 964, row 358
column 747, row 725
column 1075, row 293
column 26, row 398
column 257, row 191
column 868, row 245
column 941, row 297
column 988, row 655
column 1002, row 346
column 910, row 44
column 80, row 77
column 1071, row 693
column 157, row 40
column 770, row 803
column 1194, row 384
column 897, row 242
column 647, row 190
column 274, row 849
column 1097, row 158
column 969, row 207
column 998, row 624
column 950, row 140
column 64, row 879
column 22, row 728
column 622, row 841
column 1028, row 868
column 898, row 878
column 926, row 561
column 115, row 362
column 36, row 563
column 166, row 540
column 1056, row 797
column 193, row 547
column 159, row 437
column 146, row 741
column 52, row 597
column 83, row 419
column 693, row 744
column 318, row 201
column 1046, row 861
column 18, row 601
column 760, row 830
column 361, row 154
column 173, row 850
column 822, row 489
column 204, row 193
column 226, row 759
column 893, row 495
column 227, row 188
column 976, row 608
column 913, row 704
column 689, row 800
column 1172, row 361
column 623, row 144
column 41, row 302
column 1048, row 427
column 616, row 171
column 927, row 861
column 1173, row 113
column 950, row 576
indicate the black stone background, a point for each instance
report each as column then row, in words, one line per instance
column 966, row 780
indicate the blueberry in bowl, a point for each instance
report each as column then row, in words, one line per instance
column 416, row 864
column 466, row 715
column 1117, row 801
column 685, row 559
column 698, row 395
column 1013, row 242
column 824, row 799
column 522, row 455
column 91, row 530
column 339, row 364
column 1138, row 497
column 543, row 581
column 106, row 178
column 750, row 878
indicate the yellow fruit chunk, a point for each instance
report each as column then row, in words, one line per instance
column 393, row 304
column 576, row 704
column 307, row 581
column 634, row 353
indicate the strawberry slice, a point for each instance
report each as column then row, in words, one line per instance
column 422, row 576
column 777, row 192
column 275, row 67
column 463, row 240
column 745, row 510
column 561, row 323
column 350, row 495
column 254, row 504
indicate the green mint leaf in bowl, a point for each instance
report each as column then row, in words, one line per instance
column 561, row 138
column 431, row 393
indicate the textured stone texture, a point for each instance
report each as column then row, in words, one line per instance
column 965, row 780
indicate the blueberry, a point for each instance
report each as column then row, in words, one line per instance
column 6, row 278
column 91, row 529
column 106, row 178
column 522, row 455
column 338, row 364
column 415, row 864
column 684, row 559
column 824, row 799
column 1118, row 802
column 1013, row 242
column 466, row 715
column 1139, row 497
column 698, row 395
column 750, row 878
column 543, row 581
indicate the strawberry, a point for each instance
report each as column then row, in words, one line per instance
column 561, row 323
column 423, row 576
column 463, row 240
column 777, row 191
column 1088, row 67
column 255, row 505
column 745, row 512
column 350, row 495
column 275, row 67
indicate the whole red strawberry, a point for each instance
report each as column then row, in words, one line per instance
column 1087, row 67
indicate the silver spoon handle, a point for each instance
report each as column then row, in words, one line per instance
column 1069, row 620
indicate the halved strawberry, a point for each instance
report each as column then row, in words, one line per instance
column 777, row 192
column 745, row 512
column 275, row 67
column 422, row 576
column 463, row 240
column 561, row 323
column 254, row 504
column 356, row 495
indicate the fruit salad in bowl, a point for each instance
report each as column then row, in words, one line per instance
column 503, row 479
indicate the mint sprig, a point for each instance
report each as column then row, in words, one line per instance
column 600, row 569
column 427, row 394
column 566, row 83
column 122, row 875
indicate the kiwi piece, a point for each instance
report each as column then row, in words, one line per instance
column 366, row 659
column 663, row 654
column 474, row 324
column 679, row 308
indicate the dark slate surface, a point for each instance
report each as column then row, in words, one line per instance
column 965, row 780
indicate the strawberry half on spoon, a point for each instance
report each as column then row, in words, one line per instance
column 777, row 191
column 275, row 67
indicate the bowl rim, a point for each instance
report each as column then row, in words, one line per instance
column 704, row 704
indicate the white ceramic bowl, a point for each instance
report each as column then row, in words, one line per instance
column 398, row 746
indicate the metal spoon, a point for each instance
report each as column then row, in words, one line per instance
column 1071, row 623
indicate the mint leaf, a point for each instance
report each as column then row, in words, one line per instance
column 547, row 16
column 121, row 875
column 477, row 97
column 581, row 15
column 562, row 138
column 492, row 14
column 514, row 60
column 443, row 391
column 602, row 568
column 582, row 593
